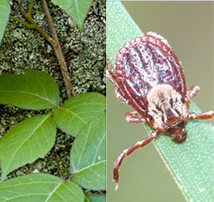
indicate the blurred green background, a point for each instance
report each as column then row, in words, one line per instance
column 189, row 28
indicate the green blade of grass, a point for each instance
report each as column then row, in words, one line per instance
column 191, row 163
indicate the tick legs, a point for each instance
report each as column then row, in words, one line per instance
column 205, row 115
column 128, row 152
column 192, row 92
column 134, row 117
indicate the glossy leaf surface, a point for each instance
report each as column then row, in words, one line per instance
column 26, row 142
column 40, row 188
column 79, row 110
column 88, row 156
column 32, row 90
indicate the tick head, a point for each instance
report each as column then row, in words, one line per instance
column 178, row 131
column 179, row 137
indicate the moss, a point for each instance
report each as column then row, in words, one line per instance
column 84, row 52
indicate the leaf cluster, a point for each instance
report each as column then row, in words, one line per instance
column 82, row 116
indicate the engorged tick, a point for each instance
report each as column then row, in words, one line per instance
column 149, row 77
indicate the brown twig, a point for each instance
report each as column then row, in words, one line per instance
column 58, row 51
column 53, row 40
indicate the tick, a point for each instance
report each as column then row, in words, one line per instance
column 149, row 77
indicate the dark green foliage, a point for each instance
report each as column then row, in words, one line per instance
column 33, row 90
column 40, row 188
column 34, row 137
column 88, row 169
column 22, row 49
column 80, row 110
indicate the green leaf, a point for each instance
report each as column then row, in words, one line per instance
column 79, row 110
column 26, row 142
column 4, row 16
column 190, row 163
column 40, row 188
column 77, row 9
column 92, row 177
column 97, row 197
column 32, row 90
column 88, row 156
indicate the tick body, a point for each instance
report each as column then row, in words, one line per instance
column 149, row 77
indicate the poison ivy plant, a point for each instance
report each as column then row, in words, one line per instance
column 82, row 116
column 4, row 16
column 77, row 9
column 34, row 137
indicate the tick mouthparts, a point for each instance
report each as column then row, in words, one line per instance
column 179, row 137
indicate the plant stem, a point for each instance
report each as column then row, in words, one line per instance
column 53, row 40
column 58, row 51
column 29, row 12
column 26, row 24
